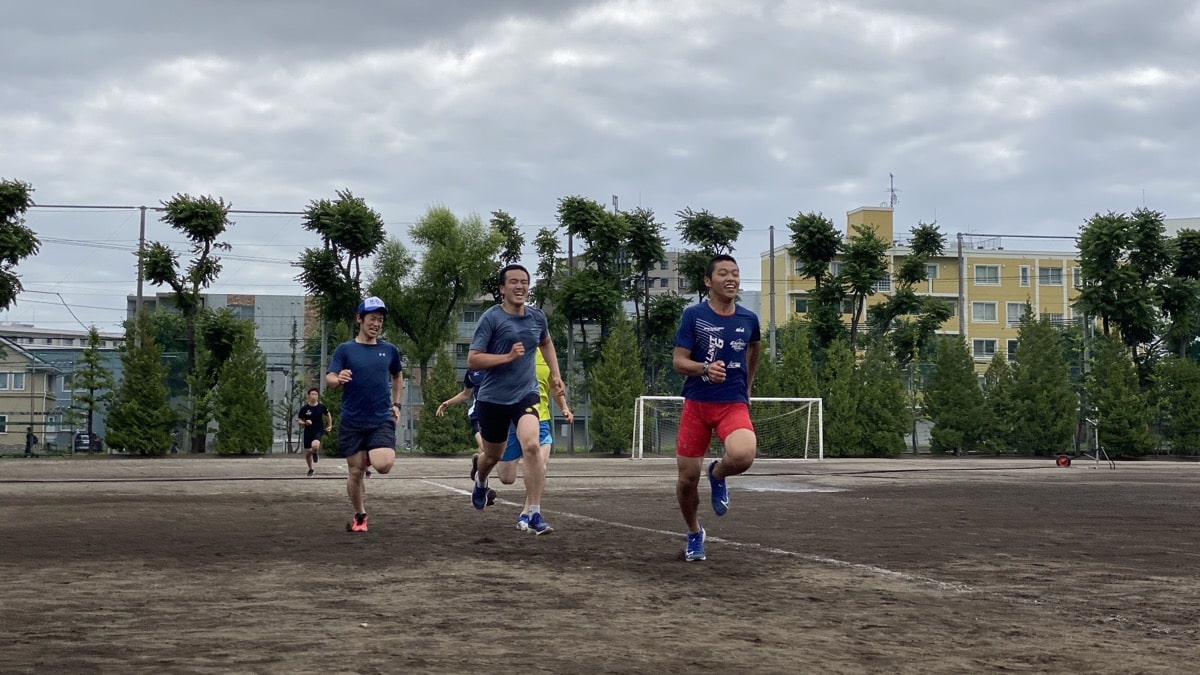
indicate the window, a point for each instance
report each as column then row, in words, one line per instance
column 662, row 265
column 49, row 341
column 461, row 350
column 987, row 275
column 983, row 311
column 802, row 305
column 1024, row 275
column 835, row 268
column 664, row 282
column 931, row 270
column 3, row 424
column 1076, row 278
column 883, row 284
column 1053, row 319
column 847, row 306
column 4, row 380
column 1050, row 276
column 1012, row 351
column 983, row 349
column 471, row 315
column 1015, row 310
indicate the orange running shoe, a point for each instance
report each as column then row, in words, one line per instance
column 357, row 525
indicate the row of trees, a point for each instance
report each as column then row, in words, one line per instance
column 873, row 372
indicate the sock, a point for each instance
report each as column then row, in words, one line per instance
column 534, row 509
column 360, row 517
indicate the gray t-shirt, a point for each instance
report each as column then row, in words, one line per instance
column 496, row 333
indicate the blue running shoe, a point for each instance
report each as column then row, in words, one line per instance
column 479, row 496
column 695, row 546
column 720, row 494
column 538, row 524
column 523, row 522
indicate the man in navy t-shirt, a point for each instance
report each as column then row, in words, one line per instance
column 716, row 348
column 368, row 370
column 503, row 345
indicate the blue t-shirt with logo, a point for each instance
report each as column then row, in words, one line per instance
column 496, row 333
column 367, row 397
column 717, row 337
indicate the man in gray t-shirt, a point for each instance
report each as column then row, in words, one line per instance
column 503, row 345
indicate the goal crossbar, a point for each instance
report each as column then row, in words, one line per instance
column 775, row 419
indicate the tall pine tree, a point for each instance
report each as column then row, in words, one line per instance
column 451, row 433
column 953, row 400
column 240, row 404
column 616, row 383
column 1122, row 412
column 1043, row 403
column 1178, row 387
column 843, row 431
column 882, row 401
column 140, row 419
column 996, row 425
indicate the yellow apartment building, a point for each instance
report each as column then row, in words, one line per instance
column 987, row 283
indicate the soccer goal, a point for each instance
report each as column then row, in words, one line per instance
column 785, row 427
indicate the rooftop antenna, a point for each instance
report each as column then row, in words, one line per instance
column 893, row 200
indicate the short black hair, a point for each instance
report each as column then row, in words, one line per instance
column 509, row 268
column 712, row 264
column 311, row 390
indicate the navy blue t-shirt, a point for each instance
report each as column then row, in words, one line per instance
column 716, row 337
column 496, row 333
column 367, row 397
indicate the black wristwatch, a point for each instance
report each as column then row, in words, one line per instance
column 396, row 406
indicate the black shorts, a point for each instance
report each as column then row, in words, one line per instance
column 495, row 418
column 474, row 425
column 354, row 441
column 310, row 436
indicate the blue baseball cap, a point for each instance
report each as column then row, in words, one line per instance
column 371, row 304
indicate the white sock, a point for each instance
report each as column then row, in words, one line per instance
column 534, row 509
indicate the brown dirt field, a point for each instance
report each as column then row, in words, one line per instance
column 965, row 565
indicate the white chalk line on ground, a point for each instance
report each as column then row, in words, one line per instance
column 824, row 560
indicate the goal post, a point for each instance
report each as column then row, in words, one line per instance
column 785, row 427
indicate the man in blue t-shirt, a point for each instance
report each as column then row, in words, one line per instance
column 716, row 348
column 368, row 370
column 503, row 345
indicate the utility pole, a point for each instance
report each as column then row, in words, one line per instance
column 570, row 344
column 962, row 281
column 771, row 286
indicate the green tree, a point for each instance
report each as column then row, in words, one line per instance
column 996, row 423
column 910, row 321
column 351, row 232
column 91, row 381
column 1178, row 387
column 646, row 249
column 843, row 428
column 505, row 228
column 424, row 299
column 953, row 400
column 287, row 409
column 1121, row 409
column 596, row 298
column 712, row 235
column 451, row 433
column 549, row 267
column 1043, row 404
column 202, row 221
column 815, row 242
column 796, row 376
column 864, row 264
column 616, row 383
column 17, row 242
column 882, row 401
column 140, row 419
column 1180, row 293
column 240, row 403
column 1124, row 261
column 662, row 320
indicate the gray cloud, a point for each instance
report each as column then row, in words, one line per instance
column 1020, row 118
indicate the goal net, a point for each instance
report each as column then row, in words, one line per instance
column 785, row 427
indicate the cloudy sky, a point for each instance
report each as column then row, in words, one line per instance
column 1018, row 117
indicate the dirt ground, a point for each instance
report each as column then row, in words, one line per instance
column 215, row 565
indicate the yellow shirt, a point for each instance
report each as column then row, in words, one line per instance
column 543, row 378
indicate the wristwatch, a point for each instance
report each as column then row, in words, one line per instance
column 704, row 369
column 396, row 405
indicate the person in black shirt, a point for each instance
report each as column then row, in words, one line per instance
column 315, row 420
